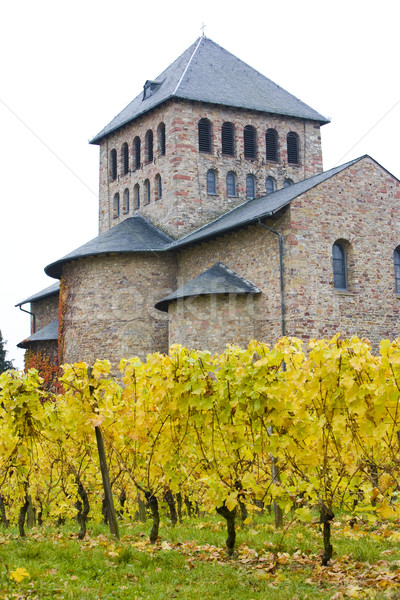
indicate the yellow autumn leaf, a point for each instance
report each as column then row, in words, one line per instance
column 19, row 574
column 386, row 511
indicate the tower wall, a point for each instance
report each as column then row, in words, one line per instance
column 185, row 204
column 107, row 307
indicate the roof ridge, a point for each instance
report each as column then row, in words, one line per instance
column 187, row 66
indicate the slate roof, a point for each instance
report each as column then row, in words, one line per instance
column 252, row 210
column 50, row 332
column 206, row 72
column 135, row 234
column 218, row 279
column 52, row 290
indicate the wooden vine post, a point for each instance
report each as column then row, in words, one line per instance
column 111, row 514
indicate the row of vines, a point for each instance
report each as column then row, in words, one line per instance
column 302, row 428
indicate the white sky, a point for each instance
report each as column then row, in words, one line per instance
column 67, row 68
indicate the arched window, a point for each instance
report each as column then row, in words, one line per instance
column 287, row 183
column 211, row 182
column 231, row 184
column 125, row 158
column 116, row 206
column 228, row 139
column 113, row 165
column 250, row 186
column 204, row 135
column 339, row 266
column 136, row 196
column 292, row 140
column 271, row 144
column 125, row 202
column 396, row 260
column 136, row 151
column 147, row 191
column 149, row 145
column 250, row 145
column 269, row 185
column 161, row 139
column 158, row 187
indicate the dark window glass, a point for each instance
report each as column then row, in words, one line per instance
column 231, row 184
column 211, row 182
column 113, row 158
column 250, row 146
column 287, row 183
column 228, row 139
column 271, row 144
column 396, row 260
column 116, row 206
column 161, row 139
column 292, row 148
column 125, row 158
column 136, row 146
column 125, row 204
column 339, row 267
column 250, row 186
column 149, row 145
column 204, row 135
column 136, row 194
column 269, row 185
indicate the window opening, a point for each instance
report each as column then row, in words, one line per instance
column 228, row 139
column 250, row 147
column 292, row 148
column 158, row 188
column 136, row 145
column 250, row 186
column 269, row 185
column 125, row 158
column 149, row 145
column 204, row 135
column 161, row 139
column 211, row 182
column 147, row 191
column 271, row 144
column 231, row 184
column 396, row 260
column 113, row 158
column 339, row 267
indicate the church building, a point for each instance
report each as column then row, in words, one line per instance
column 218, row 224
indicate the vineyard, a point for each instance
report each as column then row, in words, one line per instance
column 294, row 428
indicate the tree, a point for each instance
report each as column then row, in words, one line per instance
column 4, row 364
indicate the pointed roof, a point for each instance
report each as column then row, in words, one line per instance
column 257, row 208
column 135, row 234
column 47, row 333
column 218, row 279
column 51, row 290
column 206, row 72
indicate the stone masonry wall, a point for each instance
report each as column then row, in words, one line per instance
column 253, row 253
column 185, row 204
column 360, row 206
column 109, row 306
column 45, row 311
column 212, row 322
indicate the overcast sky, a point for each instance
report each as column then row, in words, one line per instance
column 67, row 68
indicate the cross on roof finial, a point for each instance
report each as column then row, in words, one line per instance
column 202, row 29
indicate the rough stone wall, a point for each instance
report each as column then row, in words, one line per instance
column 212, row 322
column 109, row 309
column 253, row 253
column 361, row 206
column 45, row 311
column 46, row 348
column 185, row 204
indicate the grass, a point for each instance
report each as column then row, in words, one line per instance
column 189, row 563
